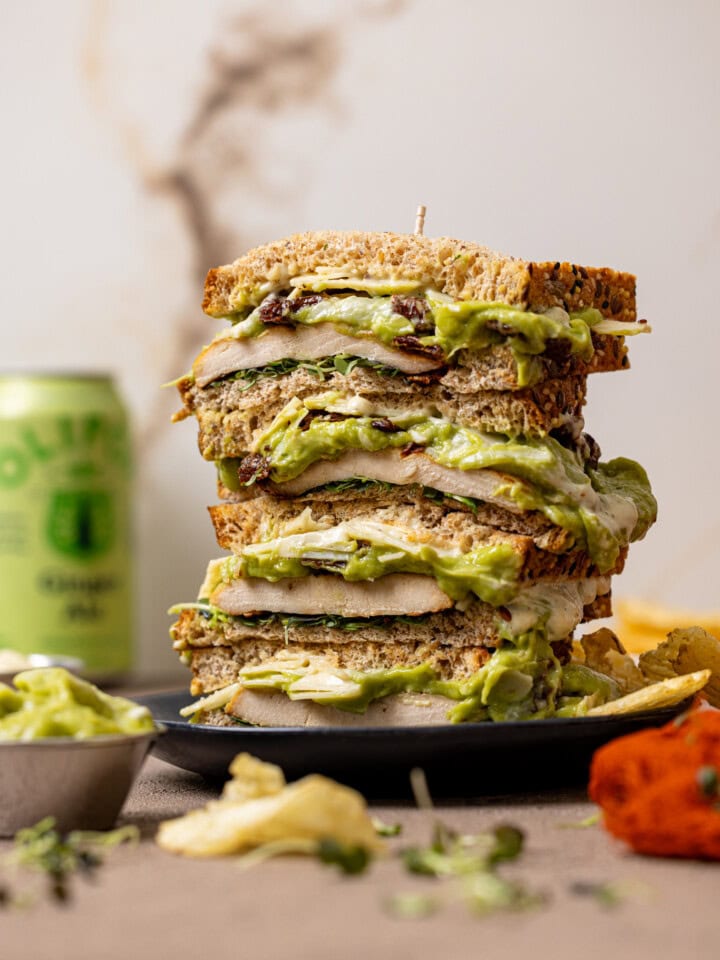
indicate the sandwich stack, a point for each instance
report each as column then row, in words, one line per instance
column 416, row 520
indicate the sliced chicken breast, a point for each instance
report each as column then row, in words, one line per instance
column 278, row 710
column 398, row 594
column 229, row 354
column 391, row 467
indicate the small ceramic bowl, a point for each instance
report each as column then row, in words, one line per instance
column 82, row 783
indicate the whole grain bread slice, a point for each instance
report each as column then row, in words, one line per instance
column 459, row 268
column 230, row 414
column 263, row 517
column 379, row 496
column 238, row 525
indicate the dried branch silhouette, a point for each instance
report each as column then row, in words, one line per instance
column 260, row 67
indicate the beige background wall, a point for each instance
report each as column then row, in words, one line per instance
column 147, row 140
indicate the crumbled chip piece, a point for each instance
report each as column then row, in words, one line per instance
column 578, row 654
column 685, row 651
column 655, row 616
column 643, row 625
column 604, row 653
column 256, row 808
column 251, row 778
column 667, row 693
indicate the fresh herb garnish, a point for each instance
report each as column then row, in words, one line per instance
column 412, row 906
column 348, row 858
column 287, row 620
column 485, row 891
column 591, row 821
column 509, row 842
column 708, row 782
column 386, row 829
column 611, row 895
column 365, row 483
column 452, row 854
column 353, row 483
column 437, row 496
column 324, row 369
column 59, row 856
column 469, row 862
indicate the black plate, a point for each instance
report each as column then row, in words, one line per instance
column 463, row 760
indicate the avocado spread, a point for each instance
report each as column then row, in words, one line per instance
column 53, row 703
column 604, row 507
column 522, row 680
column 447, row 325
column 365, row 551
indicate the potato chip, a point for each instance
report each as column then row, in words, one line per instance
column 604, row 652
column 638, row 640
column 685, row 651
column 578, row 654
column 643, row 625
column 666, row 693
column 253, row 812
column 252, row 778
column 646, row 615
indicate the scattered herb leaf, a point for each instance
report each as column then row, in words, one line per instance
column 347, row 858
column 591, row 821
column 44, row 849
column 469, row 861
column 604, row 893
column 610, row 895
column 708, row 782
column 412, row 906
column 386, row 829
column 509, row 842
column 485, row 891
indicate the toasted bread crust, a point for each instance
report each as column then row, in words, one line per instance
column 464, row 270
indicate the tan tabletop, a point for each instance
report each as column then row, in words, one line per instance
column 146, row 903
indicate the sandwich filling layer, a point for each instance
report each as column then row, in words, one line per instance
column 522, row 677
column 604, row 507
column 521, row 680
column 489, row 565
column 558, row 605
column 428, row 324
column 232, row 412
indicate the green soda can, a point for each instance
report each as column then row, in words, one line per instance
column 65, row 551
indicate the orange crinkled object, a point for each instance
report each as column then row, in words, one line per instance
column 659, row 790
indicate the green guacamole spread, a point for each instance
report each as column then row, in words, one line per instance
column 604, row 508
column 490, row 572
column 522, row 680
column 54, row 703
column 454, row 324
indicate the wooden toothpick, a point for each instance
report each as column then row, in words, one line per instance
column 420, row 220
